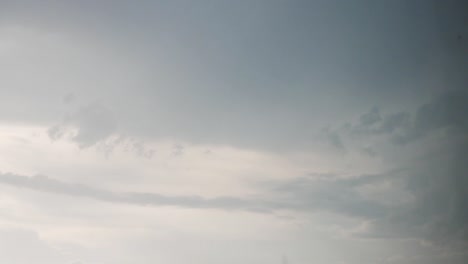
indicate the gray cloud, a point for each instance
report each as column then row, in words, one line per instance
column 56, row 132
column 372, row 123
column 261, row 76
column 300, row 194
column 94, row 123
column 393, row 122
column 332, row 194
column 177, row 150
column 438, row 179
column 46, row 184
column 436, row 211
column 370, row 117
column 437, row 183
column 448, row 111
column 244, row 65
column 333, row 138
column 440, row 185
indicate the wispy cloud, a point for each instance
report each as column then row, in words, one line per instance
column 46, row 184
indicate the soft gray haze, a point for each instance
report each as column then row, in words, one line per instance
column 249, row 131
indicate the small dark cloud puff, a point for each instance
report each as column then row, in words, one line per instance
column 94, row 123
column 447, row 112
column 370, row 118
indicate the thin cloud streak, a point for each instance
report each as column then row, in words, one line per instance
column 46, row 184
column 298, row 194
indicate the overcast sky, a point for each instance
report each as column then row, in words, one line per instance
column 247, row 131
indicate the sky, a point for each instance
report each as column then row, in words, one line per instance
column 252, row 132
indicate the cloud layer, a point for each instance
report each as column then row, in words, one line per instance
column 233, row 131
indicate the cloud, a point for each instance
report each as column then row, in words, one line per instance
column 299, row 194
column 93, row 123
column 262, row 77
column 425, row 200
column 333, row 138
column 22, row 246
column 333, row 194
column 372, row 123
column 440, row 186
column 46, row 184
column 430, row 146
column 437, row 177
column 370, row 117
column 177, row 150
column 393, row 122
column 447, row 111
